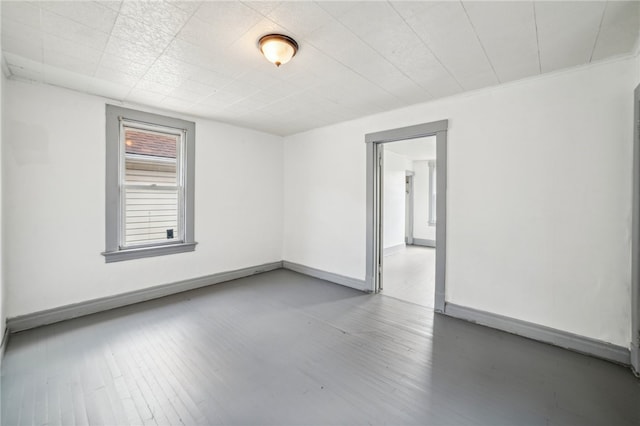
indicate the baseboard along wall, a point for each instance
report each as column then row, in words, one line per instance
column 327, row 276
column 563, row 339
column 393, row 249
column 541, row 333
column 424, row 243
column 62, row 313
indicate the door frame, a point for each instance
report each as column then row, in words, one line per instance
column 408, row 207
column 374, row 160
column 635, row 239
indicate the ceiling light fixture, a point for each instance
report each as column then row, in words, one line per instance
column 278, row 48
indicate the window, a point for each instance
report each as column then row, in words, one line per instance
column 432, row 192
column 150, row 178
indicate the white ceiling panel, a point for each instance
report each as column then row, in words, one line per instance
column 22, row 40
column 151, row 39
column 72, row 63
column 163, row 16
column 619, row 29
column 300, row 18
column 101, row 16
column 567, row 32
column 447, row 31
column 229, row 20
column 129, row 50
column 355, row 58
column 262, row 7
column 54, row 45
column 189, row 6
column 22, row 13
column 508, row 34
column 122, row 66
column 69, row 29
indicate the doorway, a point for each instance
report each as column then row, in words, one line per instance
column 408, row 228
column 375, row 143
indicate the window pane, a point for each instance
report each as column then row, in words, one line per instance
column 151, row 216
column 150, row 157
column 151, row 187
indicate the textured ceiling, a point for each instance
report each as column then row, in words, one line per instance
column 355, row 58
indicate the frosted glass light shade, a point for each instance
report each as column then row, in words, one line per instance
column 278, row 48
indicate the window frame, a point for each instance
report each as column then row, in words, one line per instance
column 432, row 192
column 115, row 156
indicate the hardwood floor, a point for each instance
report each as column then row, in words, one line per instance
column 410, row 275
column 283, row 348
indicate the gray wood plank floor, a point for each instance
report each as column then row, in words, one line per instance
column 283, row 348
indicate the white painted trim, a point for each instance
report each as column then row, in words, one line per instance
column 423, row 242
column 393, row 249
column 541, row 333
column 327, row 276
column 5, row 67
column 62, row 313
column 374, row 198
column 4, row 344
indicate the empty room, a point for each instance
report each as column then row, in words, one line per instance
column 320, row 212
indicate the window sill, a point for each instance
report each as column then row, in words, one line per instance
column 139, row 253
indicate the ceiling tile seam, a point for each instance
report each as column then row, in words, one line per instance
column 83, row 23
column 249, row 96
column 247, row 4
column 40, row 18
column 595, row 42
column 109, row 39
column 484, row 50
column 535, row 23
column 301, row 90
column 175, row 36
column 428, row 48
column 352, row 70
column 248, row 29
column 379, row 54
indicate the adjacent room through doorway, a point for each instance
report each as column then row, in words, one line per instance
column 409, row 220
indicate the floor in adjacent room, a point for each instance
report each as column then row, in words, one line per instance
column 282, row 348
column 409, row 274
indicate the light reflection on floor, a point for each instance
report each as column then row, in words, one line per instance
column 409, row 275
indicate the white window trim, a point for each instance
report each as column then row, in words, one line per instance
column 114, row 250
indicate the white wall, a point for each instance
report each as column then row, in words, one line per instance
column 421, row 227
column 55, row 149
column 539, row 206
column 395, row 167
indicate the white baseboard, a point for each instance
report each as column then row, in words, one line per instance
column 3, row 344
column 327, row 276
column 393, row 249
column 62, row 313
column 541, row 333
column 424, row 242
